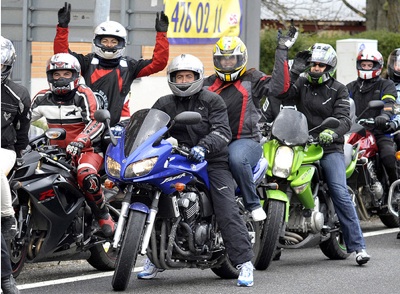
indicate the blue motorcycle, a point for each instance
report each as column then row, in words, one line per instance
column 166, row 208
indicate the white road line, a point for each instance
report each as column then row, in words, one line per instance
column 70, row 280
column 137, row 269
column 381, row 232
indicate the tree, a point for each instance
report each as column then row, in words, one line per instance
column 379, row 14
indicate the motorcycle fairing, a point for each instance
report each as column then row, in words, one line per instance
column 290, row 127
column 304, row 177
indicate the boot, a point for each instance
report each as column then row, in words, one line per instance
column 8, row 285
column 102, row 215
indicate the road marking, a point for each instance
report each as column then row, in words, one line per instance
column 70, row 280
column 137, row 269
column 381, row 232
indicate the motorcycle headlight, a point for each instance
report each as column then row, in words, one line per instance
column 140, row 168
column 283, row 162
column 113, row 167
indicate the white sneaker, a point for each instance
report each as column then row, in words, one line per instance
column 258, row 214
column 149, row 271
column 245, row 278
column 362, row 257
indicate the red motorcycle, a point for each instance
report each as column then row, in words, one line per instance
column 369, row 184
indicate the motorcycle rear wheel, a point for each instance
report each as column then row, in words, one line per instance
column 334, row 248
column 389, row 220
column 129, row 250
column 272, row 227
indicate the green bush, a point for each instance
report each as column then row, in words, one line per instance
column 387, row 42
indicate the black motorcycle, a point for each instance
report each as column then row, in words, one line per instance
column 54, row 221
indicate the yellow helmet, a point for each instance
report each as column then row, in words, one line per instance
column 230, row 58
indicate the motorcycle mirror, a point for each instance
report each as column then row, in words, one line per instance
column 103, row 115
column 329, row 122
column 188, row 118
column 373, row 104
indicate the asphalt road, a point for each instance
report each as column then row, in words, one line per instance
column 304, row 270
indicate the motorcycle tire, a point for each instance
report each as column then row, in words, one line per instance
column 101, row 258
column 129, row 250
column 389, row 220
column 226, row 270
column 334, row 248
column 17, row 256
column 271, row 228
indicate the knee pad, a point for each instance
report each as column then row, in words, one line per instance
column 91, row 184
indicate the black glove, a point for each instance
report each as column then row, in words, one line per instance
column 380, row 122
column 75, row 148
column 287, row 41
column 161, row 22
column 64, row 15
column 300, row 62
column 391, row 127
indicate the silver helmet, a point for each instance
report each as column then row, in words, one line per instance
column 185, row 62
column 8, row 57
column 322, row 53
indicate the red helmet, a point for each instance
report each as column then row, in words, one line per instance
column 369, row 55
column 63, row 61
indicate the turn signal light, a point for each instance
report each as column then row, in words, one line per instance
column 179, row 186
column 398, row 155
column 108, row 184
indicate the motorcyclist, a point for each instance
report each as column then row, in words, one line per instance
column 242, row 91
column 393, row 71
column 70, row 105
column 15, row 121
column 207, row 140
column 106, row 70
column 371, row 86
column 318, row 96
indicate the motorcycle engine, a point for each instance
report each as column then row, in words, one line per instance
column 190, row 209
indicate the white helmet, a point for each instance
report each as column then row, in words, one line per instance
column 185, row 62
column 111, row 29
column 63, row 61
column 8, row 57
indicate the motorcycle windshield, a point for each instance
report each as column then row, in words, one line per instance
column 290, row 127
column 142, row 125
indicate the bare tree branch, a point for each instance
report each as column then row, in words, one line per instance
column 360, row 13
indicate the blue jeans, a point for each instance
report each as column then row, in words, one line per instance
column 243, row 157
column 334, row 170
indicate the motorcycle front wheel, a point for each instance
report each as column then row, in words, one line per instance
column 271, row 228
column 129, row 250
column 17, row 251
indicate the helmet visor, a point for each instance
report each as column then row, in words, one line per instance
column 229, row 63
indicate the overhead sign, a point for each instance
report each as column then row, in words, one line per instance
column 202, row 21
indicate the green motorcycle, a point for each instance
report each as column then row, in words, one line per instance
column 309, row 217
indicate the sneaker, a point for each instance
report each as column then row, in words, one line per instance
column 245, row 278
column 107, row 225
column 8, row 227
column 149, row 271
column 258, row 214
column 362, row 257
column 8, row 285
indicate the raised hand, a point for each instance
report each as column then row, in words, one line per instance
column 162, row 22
column 286, row 42
column 64, row 15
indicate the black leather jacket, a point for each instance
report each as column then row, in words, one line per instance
column 213, row 132
column 15, row 116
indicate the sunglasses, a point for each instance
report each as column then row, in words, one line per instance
column 313, row 64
